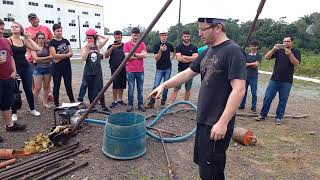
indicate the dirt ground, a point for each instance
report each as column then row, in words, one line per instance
column 289, row 151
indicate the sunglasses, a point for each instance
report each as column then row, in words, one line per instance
column 41, row 38
column 204, row 29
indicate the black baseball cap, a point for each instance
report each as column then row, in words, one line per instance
column 212, row 20
column 32, row 15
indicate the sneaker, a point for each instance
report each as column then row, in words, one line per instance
column 122, row 103
column 253, row 110
column 260, row 118
column 163, row 102
column 278, row 121
column 129, row 108
column 114, row 104
column 107, row 110
column 35, row 112
column 141, row 108
column 50, row 97
column 16, row 127
column 14, row 117
column 241, row 107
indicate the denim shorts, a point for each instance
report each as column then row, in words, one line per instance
column 40, row 71
column 6, row 94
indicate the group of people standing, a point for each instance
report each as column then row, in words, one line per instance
column 226, row 73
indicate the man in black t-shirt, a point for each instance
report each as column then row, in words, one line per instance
column 185, row 53
column 162, row 54
column 116, row 54
column 223, row 73
column 281, row 80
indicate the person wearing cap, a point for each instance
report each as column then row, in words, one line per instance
column 92, row 73
column 33, row 29
column 7, row 74
column 223, row 72
column 116, row 56
column 253, row 59
column 163, row 53
column 186, row 53
column 286, row 59
column 20, row 43
column 61, row 53
column 135, row 69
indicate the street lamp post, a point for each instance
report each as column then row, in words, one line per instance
column 79, row 31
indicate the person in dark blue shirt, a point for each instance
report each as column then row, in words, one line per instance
column 253, row 59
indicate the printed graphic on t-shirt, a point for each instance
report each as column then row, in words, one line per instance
column 93, row 57
column 209, row 66
column 62, row 49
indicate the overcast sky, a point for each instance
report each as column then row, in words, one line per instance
column 121, row 13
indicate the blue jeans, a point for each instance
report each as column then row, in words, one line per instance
column 284, row 90
column 83, row 89
column 133, row 77
column 253, row 82
column 165, row 75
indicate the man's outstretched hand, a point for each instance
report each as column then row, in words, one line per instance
column 156, row 92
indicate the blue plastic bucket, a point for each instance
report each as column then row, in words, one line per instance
column 125, row 136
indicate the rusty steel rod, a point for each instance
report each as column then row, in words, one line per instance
column 54, row 171
column 162, row 130
column 259, row 10
column 71, row 146
column 8, row 162
column 170, row 171
column 47, row 168
column 31, row 165
column 64, row 172
column 121, row 66
column 15, row 175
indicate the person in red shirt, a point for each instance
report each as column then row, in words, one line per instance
column 33, row 29
column 7, row 74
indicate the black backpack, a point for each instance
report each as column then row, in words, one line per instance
column 17, row 102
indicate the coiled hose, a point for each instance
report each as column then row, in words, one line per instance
column 156, row 119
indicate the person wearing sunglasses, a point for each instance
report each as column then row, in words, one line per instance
column 223, row 74
column 286, row 59
column 42, row 69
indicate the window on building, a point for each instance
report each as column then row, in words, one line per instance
column 8, row 19
column 49, row 22
column 58, row 9
column 96, row 14
column 48, row 5
column 33, row 4
column 86, row 24
column 73, row 38
column 73, row 23
column 7, row 2
column 85, row 13
column 71, row 11
column 98, row 25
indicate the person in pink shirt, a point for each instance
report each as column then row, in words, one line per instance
column 135, row 69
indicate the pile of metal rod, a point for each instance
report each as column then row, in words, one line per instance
column 44, row 163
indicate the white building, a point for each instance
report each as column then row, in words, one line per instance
column 75, row 16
